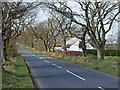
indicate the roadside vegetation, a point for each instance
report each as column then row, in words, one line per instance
column 15, row 74
column 14, row 70
column 108, row 65
column 61, row 25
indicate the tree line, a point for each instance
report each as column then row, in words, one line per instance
column 16, row 16
column 64, row 22
column 93, row 18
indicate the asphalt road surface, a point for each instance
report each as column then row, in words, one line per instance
column 53, row 73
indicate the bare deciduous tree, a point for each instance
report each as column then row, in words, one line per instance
column 42, row 32
column 64, row 25
column 12, row 15
column 0, row 32
column 95, row 17
column 54, row 29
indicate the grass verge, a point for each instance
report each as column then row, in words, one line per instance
column 108, row 65
column 16, row 74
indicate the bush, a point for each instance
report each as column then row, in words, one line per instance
column 112, row 52
column 107, row 52
column 13, row 51
column 91, row 51
column 58, row 51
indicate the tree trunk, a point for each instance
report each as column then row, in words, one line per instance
column 100, row 52
column 65, row 48
column 32, row 45
column 84, row 50
column 46, row 48
column 83, row 44
column 119, row 27
column 5, row 50
column 49, row 49
column 54, row 46
column 1, row 50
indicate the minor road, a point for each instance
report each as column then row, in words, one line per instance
column 53, row 73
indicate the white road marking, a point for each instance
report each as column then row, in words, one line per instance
column 46, row 61
column 101, row 88
column 40, row 57
column 75, row 75
column 56, row 65
column 27, row 52
column 28, row 55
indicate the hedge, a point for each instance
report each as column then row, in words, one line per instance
column 106, row 53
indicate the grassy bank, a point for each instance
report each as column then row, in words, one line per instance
column 16, row 74
column 108, row 65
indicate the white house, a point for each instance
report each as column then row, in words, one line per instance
column 74, row 44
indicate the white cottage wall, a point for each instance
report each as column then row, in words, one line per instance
column 75, row 47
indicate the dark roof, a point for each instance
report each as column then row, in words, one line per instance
column 67, row 46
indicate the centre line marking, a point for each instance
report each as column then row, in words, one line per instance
column 27, row 55
column 46, row 61
column 32, row 55
column 56, row 65
column 75, row 75
column 101, row 88
column 40, row 57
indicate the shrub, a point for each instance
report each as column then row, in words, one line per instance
column 91, row 51
column 96, row 67
column 107, row 52
column 58, row 51
column 13, row 52
column 36, row 48
column 112, row 52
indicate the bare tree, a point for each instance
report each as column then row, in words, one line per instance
column 95, row 16
column 29, row 42
column 12, row 15
column 42, row 32
column 0, row 33
column 54, row 29
column 64, row 25
column 118, row 28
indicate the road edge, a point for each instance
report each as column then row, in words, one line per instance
column 31, row 75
